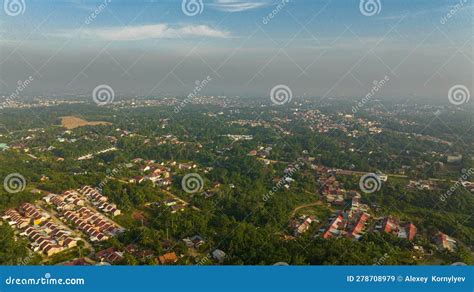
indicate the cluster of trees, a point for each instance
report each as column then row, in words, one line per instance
column 14, row 250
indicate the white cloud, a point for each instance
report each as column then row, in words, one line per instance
column 144, row 32
column 237, row 5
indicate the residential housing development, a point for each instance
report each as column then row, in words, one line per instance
column 75, row 216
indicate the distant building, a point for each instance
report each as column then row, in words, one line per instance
column 109, row 255
column 218, row 255
column 167, row 258
column 454, row 158
column 445, row 241
column 79, row 262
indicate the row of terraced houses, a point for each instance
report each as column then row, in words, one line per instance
column 44, row 234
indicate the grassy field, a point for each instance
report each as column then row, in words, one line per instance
column 72, row 122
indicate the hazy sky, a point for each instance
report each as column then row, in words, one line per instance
column 318, row 48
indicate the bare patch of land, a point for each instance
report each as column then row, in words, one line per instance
column 72, row 122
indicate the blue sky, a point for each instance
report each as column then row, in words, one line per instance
column 238, row 17
column 318, row 47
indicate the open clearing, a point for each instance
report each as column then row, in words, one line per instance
column 72, row 122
